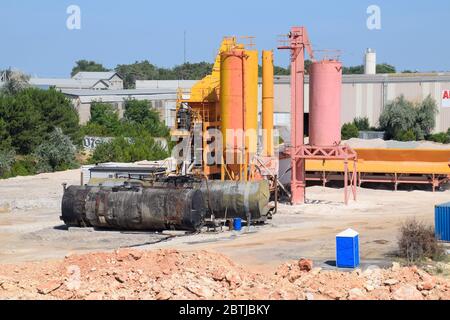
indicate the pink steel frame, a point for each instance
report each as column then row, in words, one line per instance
column 298, row 41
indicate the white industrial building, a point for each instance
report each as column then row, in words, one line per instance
column 82, row 80
column 163, row 100
column 362, row 95
column 112, row 79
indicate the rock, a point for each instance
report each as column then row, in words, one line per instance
column 407, row 292
column 294, row 275
column 369, row 287
column 199, row 291
column 391, row 282
column 122, row 278
column 136, row 255
column 396, row 266
column 233, row 277
column 427, row 286
column 163, row 295
column 305, row 265
column 334, row 294
column 316, row 271
column 356, row 294
column 219, row 274
column 49, row 287
column 309, row 296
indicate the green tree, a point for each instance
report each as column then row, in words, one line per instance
column 89, row 66
column 349, row 131
column 362, row 124
column 29, row 115
column 192, row 71
column 385, row 68
column 15, row 82
column 381, row 69
column 398, row 117
column 121, row 149
column 140, row 113
column 56, row 153
column 143, row 70
column 427, row 111
column 105, row 115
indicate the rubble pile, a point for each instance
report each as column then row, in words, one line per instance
column 176, row 275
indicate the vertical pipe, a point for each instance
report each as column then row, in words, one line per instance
column 251, row 99
column 267, row 102
column 298, row 184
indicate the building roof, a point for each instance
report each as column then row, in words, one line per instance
column 66, row 83
column 96, row 75
column 87, row 96
column 165, row 84
column 381, row 78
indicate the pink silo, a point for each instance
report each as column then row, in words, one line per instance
column 325, row 87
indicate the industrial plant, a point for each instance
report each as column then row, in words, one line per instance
column 265, row 194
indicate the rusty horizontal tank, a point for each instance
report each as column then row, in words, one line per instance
column 231, row 199
column 133, row 208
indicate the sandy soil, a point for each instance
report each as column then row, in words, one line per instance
column 30, row 229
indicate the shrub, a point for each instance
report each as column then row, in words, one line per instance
column 440, row 138
column 142, row 147
column 24, row 167
column 408, row 135
column 6, row 161
column 401, row 116
column 56, row 153
column 417, row 241
column 349, row 130
column 362, row 124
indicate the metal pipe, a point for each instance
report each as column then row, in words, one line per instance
column 267, row 102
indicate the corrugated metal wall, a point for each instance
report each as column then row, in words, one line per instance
column 367, row 99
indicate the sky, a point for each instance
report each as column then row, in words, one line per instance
column 414, row 35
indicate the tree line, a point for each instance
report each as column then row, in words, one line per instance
column 40, row 131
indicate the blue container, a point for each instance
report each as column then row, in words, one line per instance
column 237, row 224
column 442, row 222
column 347, row 249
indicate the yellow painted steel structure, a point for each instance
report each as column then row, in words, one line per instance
column 267, row 102
column 251, row 101
column 213, row 103
column 391, row 161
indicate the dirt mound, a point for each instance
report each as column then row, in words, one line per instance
column 171, row 274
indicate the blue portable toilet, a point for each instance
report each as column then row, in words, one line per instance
column 442, row 222
column 237, row 224
column 347, row 249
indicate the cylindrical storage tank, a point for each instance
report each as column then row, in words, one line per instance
column 267, row 102
column 370, row 63
column 230, row 199
column 325, row 87
column 251, row 100
column 232, row 96
column 150, row 209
